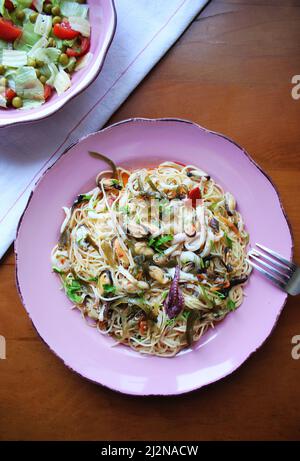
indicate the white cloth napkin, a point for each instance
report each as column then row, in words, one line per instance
column 145, row 31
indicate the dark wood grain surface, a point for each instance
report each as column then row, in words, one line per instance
column 231, row 72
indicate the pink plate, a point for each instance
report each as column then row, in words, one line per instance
column 133, row 144
column 103, row 25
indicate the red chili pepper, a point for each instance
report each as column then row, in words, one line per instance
column 9, row 5
column 82, row 50
column 64, row 31
column 47, row 92
column 143, row 326
column 179, row 163
column 194, row 195
column 10, row 94
column 8, row 31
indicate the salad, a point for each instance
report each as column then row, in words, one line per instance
column 42, row 42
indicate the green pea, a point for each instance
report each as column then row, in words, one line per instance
column 47, row 8
column 55, row 10
column 56, row 20
column 2, row 69
column 38, row 73
column 17, row 102
column 33, row 17
column 64, row 59
column 20, row 14
column 43, row 79
column 31, row 62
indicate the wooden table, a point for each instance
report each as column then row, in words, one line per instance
column 231, row 72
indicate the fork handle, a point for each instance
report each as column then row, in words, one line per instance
column 293, row 286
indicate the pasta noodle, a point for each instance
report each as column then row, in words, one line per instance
column 155, row 257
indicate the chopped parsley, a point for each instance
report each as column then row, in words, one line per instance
column 86, row 197
column 228, row 241
column 220, row 295
column 157, row 243
column 73, row 289
column 125, row 209
column 109, row 289
column 93, row 279
column 231, row 305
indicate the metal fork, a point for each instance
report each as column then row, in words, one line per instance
column 283, row 273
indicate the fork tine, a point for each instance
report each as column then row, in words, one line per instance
column 274, row 271
column 275, row 263
column 266, row 274
column 277, row 256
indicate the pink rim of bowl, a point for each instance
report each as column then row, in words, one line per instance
column 103, row 21
column 138, row 143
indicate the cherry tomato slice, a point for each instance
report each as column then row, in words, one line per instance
column 10, row 94
column 82, row 50
column 47, row 92
column 64, row 31
column 8, row 31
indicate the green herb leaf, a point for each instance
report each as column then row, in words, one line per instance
column 109, row 288
column 125, row 209
column 220, row 295
column 228, row 240
column 73, row 289
column 158, row 242
column 231, row 305
column 93, row 279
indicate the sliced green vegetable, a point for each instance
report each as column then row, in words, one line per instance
column 192, row 318
column 55, row 269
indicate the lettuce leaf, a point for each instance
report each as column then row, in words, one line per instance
column 62, row 82
column 81, row 25
column 74, row 9
column 28, row 85
column 43, row 24
column 47, row 55
column 28, row 38
column 14, row 58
